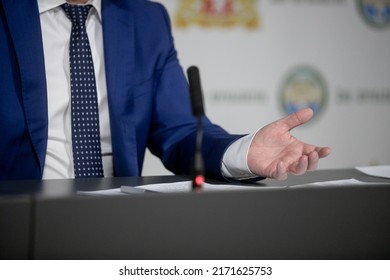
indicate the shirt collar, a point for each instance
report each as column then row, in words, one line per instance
column 46, row 5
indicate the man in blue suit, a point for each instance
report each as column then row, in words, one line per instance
column 142, row 94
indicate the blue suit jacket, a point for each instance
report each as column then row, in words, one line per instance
column 147, row 91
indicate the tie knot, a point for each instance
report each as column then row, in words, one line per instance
column 76, row 13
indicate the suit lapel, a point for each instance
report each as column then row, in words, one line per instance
column 118, row 39
column 24, row 24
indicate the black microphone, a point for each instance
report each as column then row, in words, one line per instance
column 195, row 91
column 198, row 111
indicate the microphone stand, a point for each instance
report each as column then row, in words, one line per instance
column 198, row 112
column 198, row 177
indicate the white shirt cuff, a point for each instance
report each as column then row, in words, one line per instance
column 234, row 161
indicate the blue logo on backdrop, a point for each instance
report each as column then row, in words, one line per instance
column 375, row 12
column 303, row 87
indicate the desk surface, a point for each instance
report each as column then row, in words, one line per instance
column 69, row 187
column 304, row 223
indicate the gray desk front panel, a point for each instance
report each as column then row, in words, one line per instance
column 324, row 223
column 15, row 228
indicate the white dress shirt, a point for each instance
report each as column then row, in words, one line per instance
column 56, row 29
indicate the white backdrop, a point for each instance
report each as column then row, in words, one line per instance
column 328, row 54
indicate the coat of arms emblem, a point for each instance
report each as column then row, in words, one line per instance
column 217, row 13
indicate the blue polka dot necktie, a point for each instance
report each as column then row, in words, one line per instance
column 87, row 155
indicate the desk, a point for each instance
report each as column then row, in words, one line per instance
column 47, row 220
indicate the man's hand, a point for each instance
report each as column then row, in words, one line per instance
column 275, row 153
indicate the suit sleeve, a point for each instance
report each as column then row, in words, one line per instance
column 173, row 131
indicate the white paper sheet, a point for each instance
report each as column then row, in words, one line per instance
column 177, row 187
column 108, row 192
column 382, row 171
column 185, row 187
column 338, row 183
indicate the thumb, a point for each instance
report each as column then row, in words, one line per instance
column 298, row 118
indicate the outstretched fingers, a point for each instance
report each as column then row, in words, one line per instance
column 315, row 155
column 300, row 166
column 313, row 159
column 297, row 168
column 298, row 118
column 280, row 173
column 323, row 151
